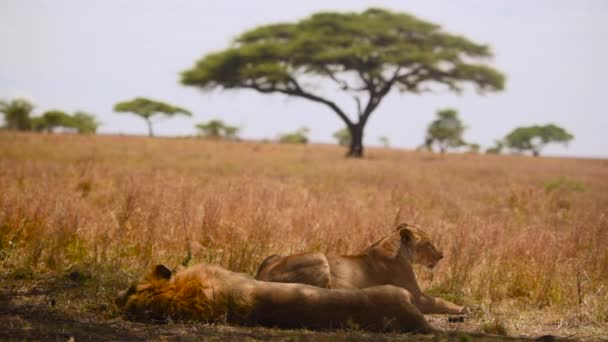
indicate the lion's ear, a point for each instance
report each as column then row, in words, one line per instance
column 160, row 272
column 406, row 235
column 178, row 268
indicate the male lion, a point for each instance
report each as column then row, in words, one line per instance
column 210, row 293
column 386, row 262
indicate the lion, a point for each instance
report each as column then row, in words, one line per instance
column 386, row 262
column 208, row 293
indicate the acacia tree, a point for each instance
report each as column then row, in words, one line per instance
column 385, row 141
column 17, row 114
column 84, row 123
column 446, row 131
column 497, row 148
column 81, row 122
column 366, row 55
column 343, row 137
column 534, row 138
column 146, row 109
column 54, row 118
column 298, row 137
column 217, row 129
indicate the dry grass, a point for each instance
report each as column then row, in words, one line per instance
column 521, row 235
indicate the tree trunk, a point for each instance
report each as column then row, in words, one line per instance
column 150, row 131
column 356, row 141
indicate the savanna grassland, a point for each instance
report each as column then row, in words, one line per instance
column 525, row 238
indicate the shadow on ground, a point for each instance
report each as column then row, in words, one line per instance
column 61, row 309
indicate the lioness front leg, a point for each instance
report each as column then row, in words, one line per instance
column 434, row 305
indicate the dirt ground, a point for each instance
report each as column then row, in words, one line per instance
column 70, row 308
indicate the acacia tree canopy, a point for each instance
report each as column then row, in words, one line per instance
column 56, row 118
column 217, row 129
column 147, row 108
column 364, row 54
column 84, row 122
column 17, row 116
column 16, row 113
column 298, row 137
column 534, row 138
column 445, row 131
column 343, row 137
column 81, row 122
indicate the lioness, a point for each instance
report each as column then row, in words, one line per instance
column 386, row 262
column 209, row 293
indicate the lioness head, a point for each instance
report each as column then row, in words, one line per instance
column 411, row 243
column 420, row 247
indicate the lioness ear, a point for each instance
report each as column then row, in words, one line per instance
column 160, row 272
column 402, row 225
column 407, row 235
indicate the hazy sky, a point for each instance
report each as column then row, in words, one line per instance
column 87, row 55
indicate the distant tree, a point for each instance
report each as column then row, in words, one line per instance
column 446, row 131
column 146, row 109
column 80, row 122
column 297, row 137
column 534, row 138
column 211, row 129
column 53, row 119
column 343, row 137
column 384, row 141
column 365, row 54
column 84, row 123
column 231, row 132
column 217, row 129
column 38, row 124
column 497, row 148
column 17, row 114
column 473, row 147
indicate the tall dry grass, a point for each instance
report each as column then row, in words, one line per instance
column 526, row 232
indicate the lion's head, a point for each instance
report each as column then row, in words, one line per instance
column 135, row 300
column 199, row 293
column 409, row 242
column 159, row 296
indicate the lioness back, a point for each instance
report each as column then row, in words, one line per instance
column 351, row 272
column 307, row 268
